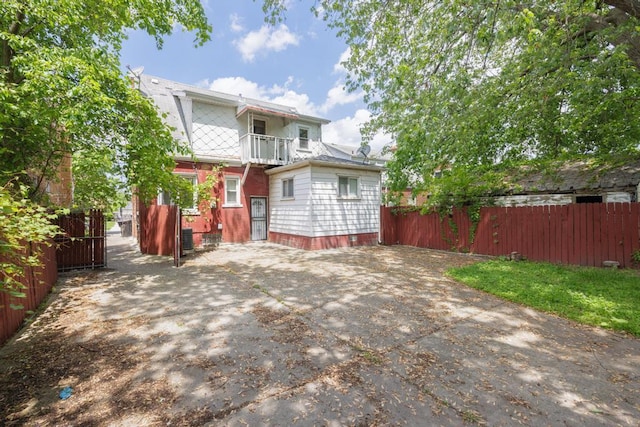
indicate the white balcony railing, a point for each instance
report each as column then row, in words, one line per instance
column 266, row 149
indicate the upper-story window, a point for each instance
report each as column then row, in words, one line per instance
column 260, row 126
column 303, row 137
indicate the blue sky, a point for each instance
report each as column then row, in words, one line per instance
column 295, row 63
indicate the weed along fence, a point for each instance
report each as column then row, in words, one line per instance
column 38, row 282
column 83, row 244
column 581, row 234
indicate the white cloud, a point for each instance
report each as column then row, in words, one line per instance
column 338, row 95
column 237, row 86
column 236, row 23
column 346, row 131
column 264, row 40
column 338, row 68
column 280, row 94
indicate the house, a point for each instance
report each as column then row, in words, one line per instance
column 323, row 202
column 575, row 182
column 273, row 171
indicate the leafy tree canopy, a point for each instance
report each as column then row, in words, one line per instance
column 469, row 85
column 62, row 91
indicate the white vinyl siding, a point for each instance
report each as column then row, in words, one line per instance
column 317, row 210
column 291, row 216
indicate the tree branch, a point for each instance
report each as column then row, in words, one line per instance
column 630, row 7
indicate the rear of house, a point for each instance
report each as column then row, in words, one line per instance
column 325, row 202
column 246, row 143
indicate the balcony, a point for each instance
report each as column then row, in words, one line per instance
column 266, row 149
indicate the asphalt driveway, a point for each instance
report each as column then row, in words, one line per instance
column 262, row 334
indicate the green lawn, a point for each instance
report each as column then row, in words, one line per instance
column 593, row 296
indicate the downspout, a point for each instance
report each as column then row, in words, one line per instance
column 244, row 175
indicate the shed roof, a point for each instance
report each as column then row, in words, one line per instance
column 579, row 176
column 327, row 161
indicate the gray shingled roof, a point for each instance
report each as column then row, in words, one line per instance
column 167, row 96
column 579, row 177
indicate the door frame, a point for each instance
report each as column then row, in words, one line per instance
column 265, row 219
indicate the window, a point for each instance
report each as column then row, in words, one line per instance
column 348, row 187
column 166, row 198
column 231, row 191
column 259, row 126
column 287, row 188
column 588, row 199
column 303, row 137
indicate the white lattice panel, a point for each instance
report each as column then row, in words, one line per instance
column 215, row 131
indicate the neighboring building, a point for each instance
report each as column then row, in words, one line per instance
column 59, row 189
column 257, row 143
column 575, row 182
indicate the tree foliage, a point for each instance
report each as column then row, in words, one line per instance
column 62, row 91
column 23, row 224
column 96, row 184
column 468, row 85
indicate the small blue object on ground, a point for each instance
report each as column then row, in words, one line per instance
column 65, row 393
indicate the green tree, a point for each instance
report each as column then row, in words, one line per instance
column 475, row 85
column 62, row 91
column 96, row 181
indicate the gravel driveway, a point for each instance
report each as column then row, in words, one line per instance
column 262, row 334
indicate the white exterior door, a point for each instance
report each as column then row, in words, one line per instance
column 258, row 218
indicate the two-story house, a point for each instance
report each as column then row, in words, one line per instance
column 277, row 180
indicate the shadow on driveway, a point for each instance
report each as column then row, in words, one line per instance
column 262, row 334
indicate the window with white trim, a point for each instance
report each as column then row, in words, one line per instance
column 303, row 137
column 231, row 191
column 287, row 188
column 166, row 198
column 348, row 187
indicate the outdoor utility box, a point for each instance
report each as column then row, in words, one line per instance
column 125, row 228
column 187, row 239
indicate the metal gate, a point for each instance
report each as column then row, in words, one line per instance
column 83, row 244
column 258, row 218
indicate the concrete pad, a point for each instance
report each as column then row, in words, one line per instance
column 261, row 334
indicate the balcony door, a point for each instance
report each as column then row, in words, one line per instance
column 259, row 126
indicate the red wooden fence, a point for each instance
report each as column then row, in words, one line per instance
column 38, row 282
column 83, row 244
column 158, row 229
column 581, row 234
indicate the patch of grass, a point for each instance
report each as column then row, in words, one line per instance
column 594, row 296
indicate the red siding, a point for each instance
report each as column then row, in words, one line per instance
column 235, row 221
column 327, row 242
column 157, row 229
column 582, row 234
